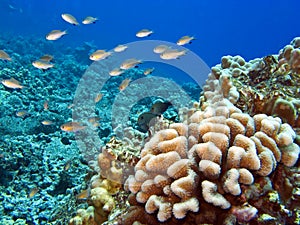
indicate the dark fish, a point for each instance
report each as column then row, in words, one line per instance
column 146, row 120
column 159, row 107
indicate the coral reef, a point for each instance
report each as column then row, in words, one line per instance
column 268, row 85
column 219, row 160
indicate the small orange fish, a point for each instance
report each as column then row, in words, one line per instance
column 4, row 56
column 32, row 192
column 22, row 113
column 47, row 122
column 46, row 58
column 42, row 65
column 72, row 127
column 83, row 195
column 55, row 35
column 148, row 71
column 89, row 20
column 124, row 84
column 67, row 165
column 99, row 55
column 12, row 83
column 98, row 97
column 130, row 63
column 93, row 119
column 46, row 105
column 70, row 19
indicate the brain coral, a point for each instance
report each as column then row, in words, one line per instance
column 193, row 170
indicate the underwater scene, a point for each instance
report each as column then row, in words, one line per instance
column 149, row 112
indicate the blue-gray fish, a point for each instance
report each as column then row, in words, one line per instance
column 146, row 120
column 159, row 107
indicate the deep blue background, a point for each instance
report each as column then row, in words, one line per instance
column 248, row 28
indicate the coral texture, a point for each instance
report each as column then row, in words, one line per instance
column 212, row 157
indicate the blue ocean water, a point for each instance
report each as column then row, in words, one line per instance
column 251, row 29
column 35, row 155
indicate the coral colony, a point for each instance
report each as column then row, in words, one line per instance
column 225, row 163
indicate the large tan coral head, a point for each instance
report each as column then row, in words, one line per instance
column 185, row 40
column 172, row 54
column 69, row 19
column 99, row 55
column 12, row 83
column 144, row 33
column 55, row 35
column 4, row 55
column 130, row 63
column 42, row 65
column 72, row 127
column 89, row 20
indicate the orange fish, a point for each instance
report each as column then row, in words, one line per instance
column 72, row 127
column 4, row 55
column 55, row 35
column 67, row 165
column 42, row 65
column 93, row 119
column 46, row 105
column 124, row 84
column 148, row 71
column 83, row 195
column 32, row 192
column 22, row 113
column 12, row 83
column 98, row 97
column 47, row 122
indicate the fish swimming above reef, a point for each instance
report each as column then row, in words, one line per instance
column 124, row 84
column 160, row 49
column 159, row 107
column 72, row 127
column 148, row 71
column 185, row 40
column 146, row 120
column 47, row 122
column 99, row 55
column 12, row 83
column 116, row 72
column 98, row 97
column 4, row 56
column 172, row 54
column 130, row 63
column 70, row 19
column 46, row 58
column 120, row 48
column 22, row 113
column 42, row 65
column 144, row 33
column 55, row 35
column 33, row 192
column 89, row 20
